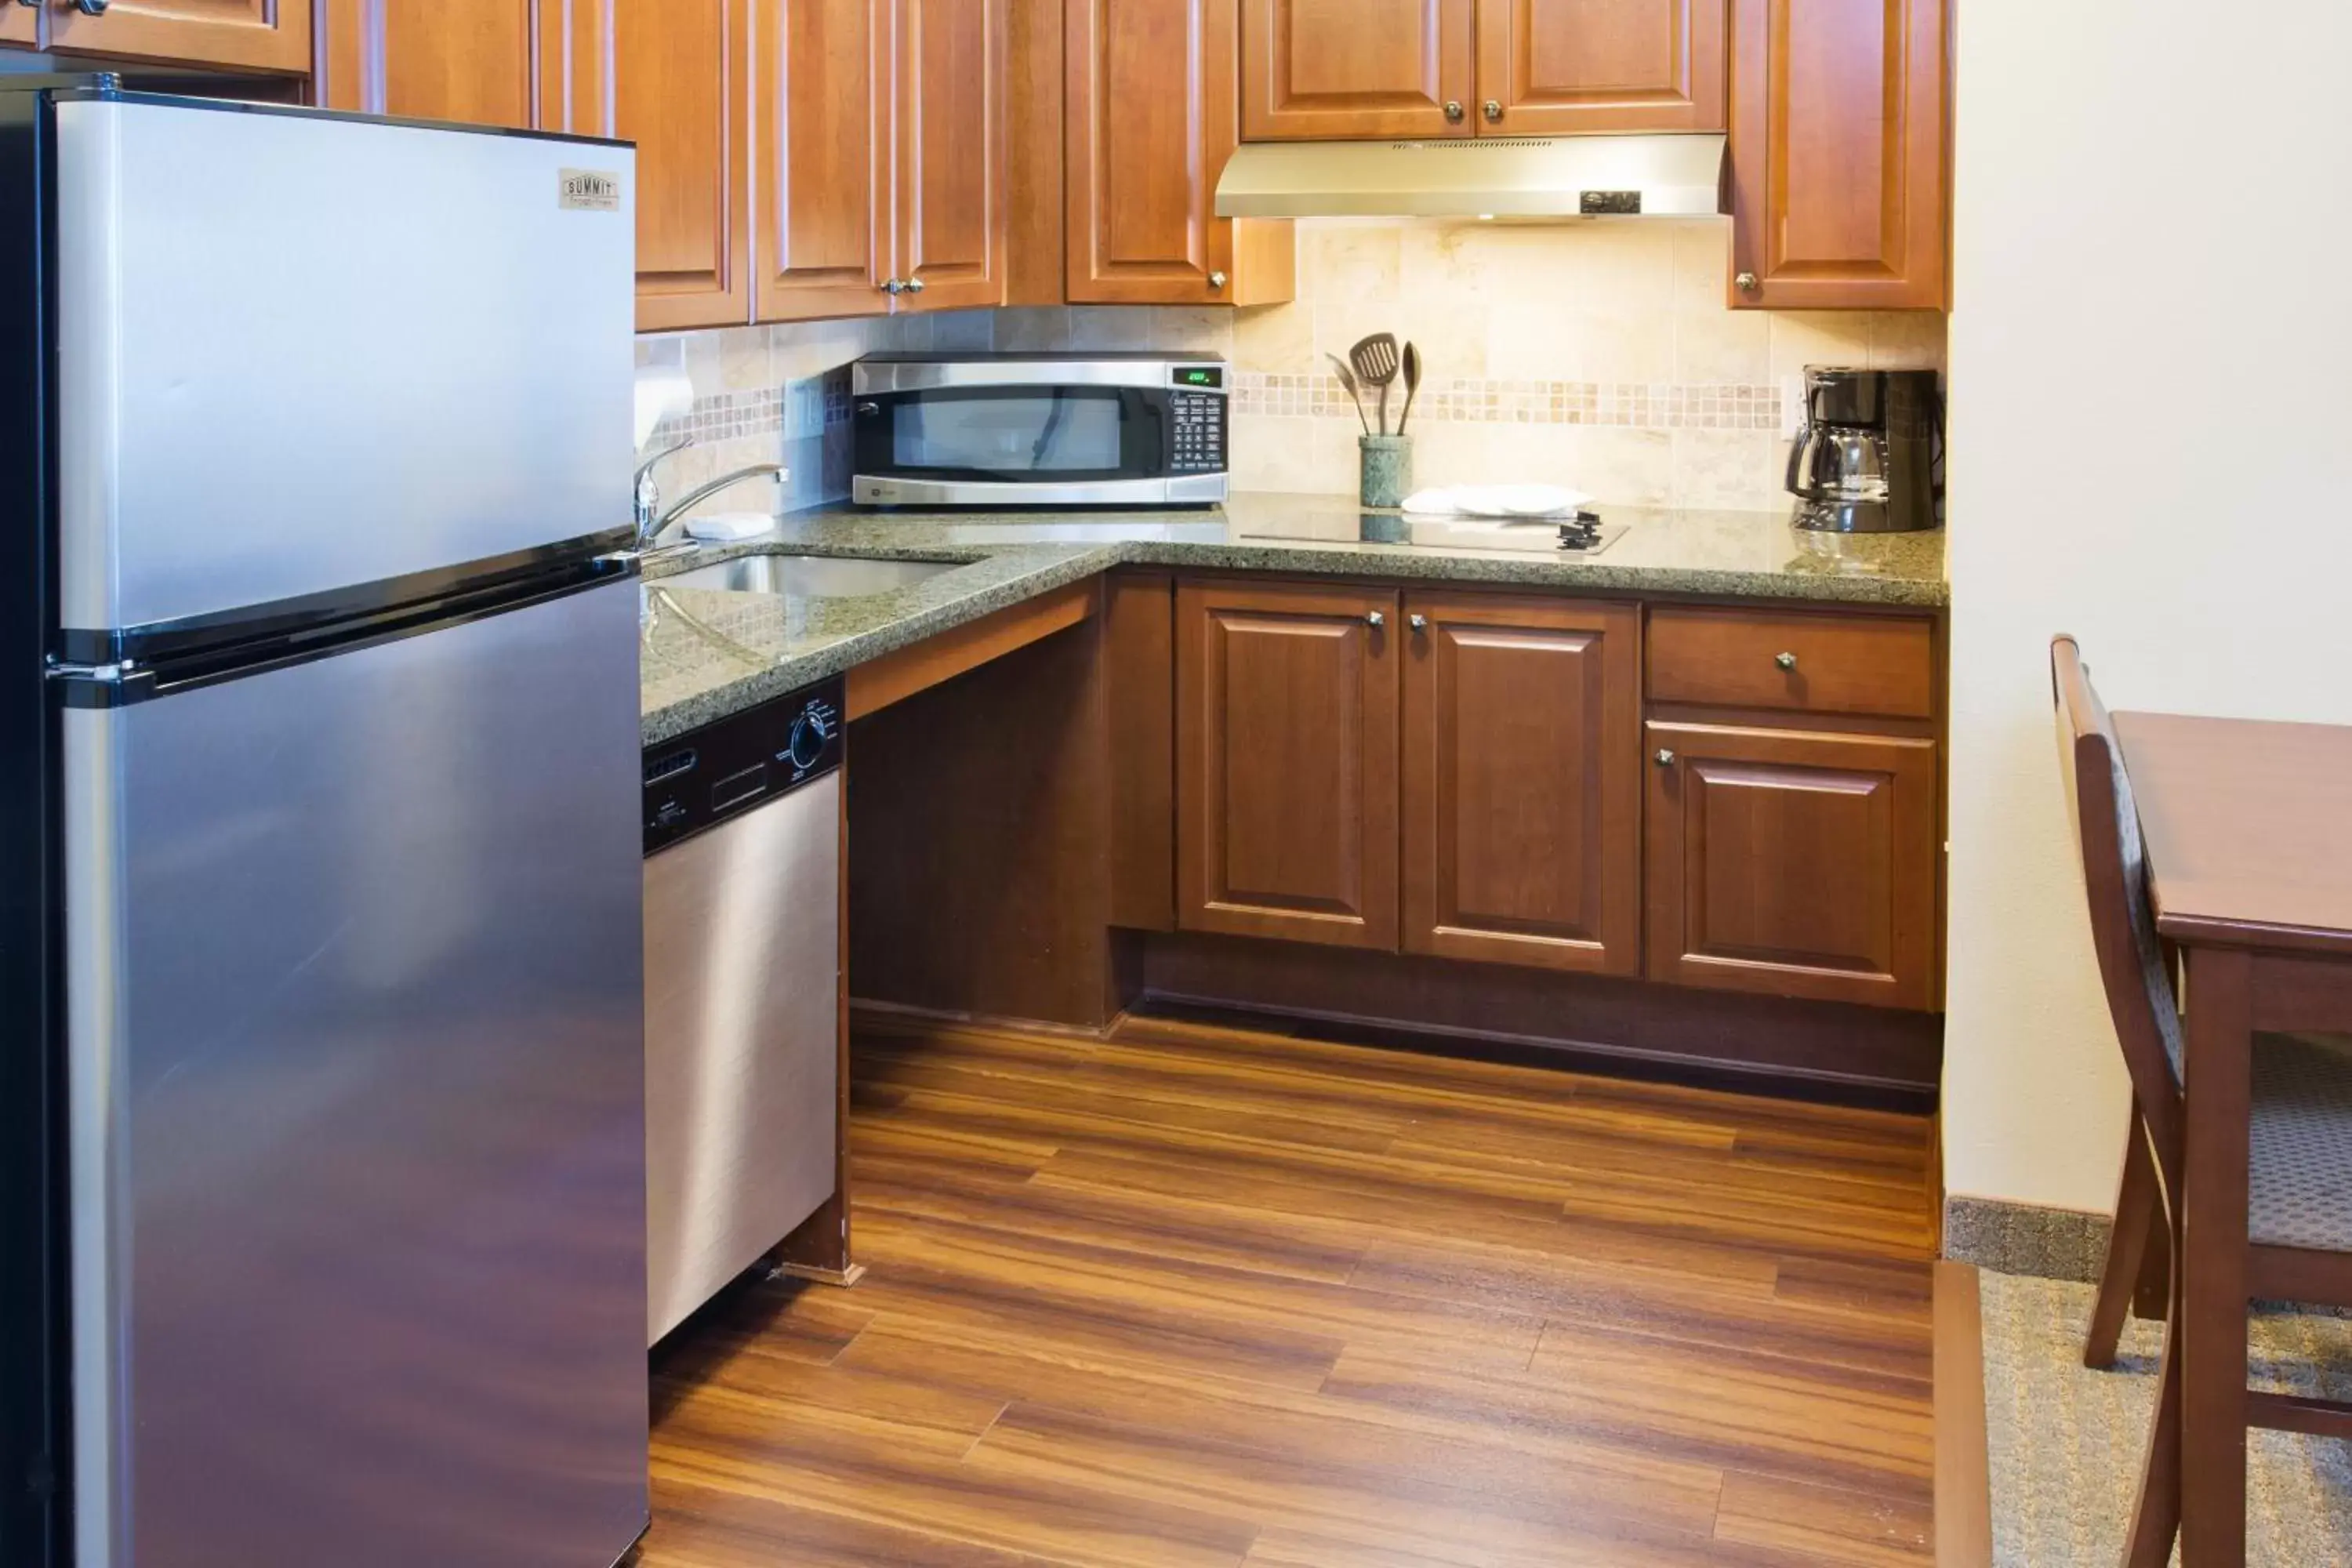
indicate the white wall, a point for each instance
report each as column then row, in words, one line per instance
column 2151, row 430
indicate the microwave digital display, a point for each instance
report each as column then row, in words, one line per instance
column 1209, row 375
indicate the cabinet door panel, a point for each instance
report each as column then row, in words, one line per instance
column 1838, row 133
column 824, row 216
column 1522, row 783
column 19, row 25
column 681, row 75
column 253, row 35
column 1285, row 764
column 421, row 60
column 1561, row 67
column 951, row 137
column 1152, row 120
column 1793, row 863
column 575, row 66
column 245, row 34
column 1341, row 69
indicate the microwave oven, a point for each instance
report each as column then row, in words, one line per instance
column 1022, row 429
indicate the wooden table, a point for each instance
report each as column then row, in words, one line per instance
column 2248, row 834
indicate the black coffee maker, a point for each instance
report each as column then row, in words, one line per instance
column 1870, row 459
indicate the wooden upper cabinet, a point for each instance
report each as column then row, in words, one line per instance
column 1839, row 136
column 1793, row 863
column 823, row 172
column 420, row 59
column 1285, row 761
column 1356, row 69
column 245, row 35
column 1522, row 780
column 1150, row 119
column 680, row 92
column 1555, row 67
column 1152, row 113
column 951, row 207
column 19, row 25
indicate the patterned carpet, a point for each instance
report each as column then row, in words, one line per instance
column 2066, row 1442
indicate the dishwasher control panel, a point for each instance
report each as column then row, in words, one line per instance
column 722, row 770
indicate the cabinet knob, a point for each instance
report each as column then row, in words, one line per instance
column 91, row 7
column 892, row 285
column 1745, row 282
column 1374, row 618
column 1494, row 107
column 1785, row 660
column 1216, row 281
column 1665, row 759
column 914, row 285
column 1454, row 111
column 1418, row 622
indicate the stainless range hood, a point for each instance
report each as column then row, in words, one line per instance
column 1501, row 177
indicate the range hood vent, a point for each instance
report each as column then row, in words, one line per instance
column 1499, row 177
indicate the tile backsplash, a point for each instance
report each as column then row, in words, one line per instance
column 1597, row 355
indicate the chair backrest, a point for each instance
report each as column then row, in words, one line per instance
column 2132, row 960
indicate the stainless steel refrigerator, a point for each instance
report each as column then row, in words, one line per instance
column 319, row 943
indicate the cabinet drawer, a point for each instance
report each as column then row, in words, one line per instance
column 1808, row 663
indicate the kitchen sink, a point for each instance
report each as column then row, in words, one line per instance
column 809, row 576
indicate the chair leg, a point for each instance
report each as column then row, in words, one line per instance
column 2156, row 1521
column 2137, row 1221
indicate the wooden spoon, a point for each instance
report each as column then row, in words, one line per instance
column 1348, row 381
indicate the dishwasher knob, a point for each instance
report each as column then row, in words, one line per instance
column 807, row 748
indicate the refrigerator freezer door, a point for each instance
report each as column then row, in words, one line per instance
column 299, row 354
column 357, row 1106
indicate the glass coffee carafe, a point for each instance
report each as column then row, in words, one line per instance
column 1869, row 458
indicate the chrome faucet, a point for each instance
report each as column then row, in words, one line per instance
column 653, row 517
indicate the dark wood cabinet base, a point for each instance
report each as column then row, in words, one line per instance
column 1014, row 855
column 1814, row 1050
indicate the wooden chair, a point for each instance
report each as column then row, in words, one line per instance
column 2299, row 1219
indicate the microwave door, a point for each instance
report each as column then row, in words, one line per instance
column 926, row 436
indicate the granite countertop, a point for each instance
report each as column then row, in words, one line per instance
column 709, row 653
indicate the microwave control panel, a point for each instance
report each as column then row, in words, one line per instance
column 1197, row 432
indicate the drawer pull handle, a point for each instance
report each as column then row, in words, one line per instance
column 1666, row 758
column 1785, row 660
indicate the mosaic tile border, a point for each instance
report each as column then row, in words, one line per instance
column 1634, row 405
column 808, row 407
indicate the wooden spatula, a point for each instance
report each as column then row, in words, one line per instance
column 1355, row 394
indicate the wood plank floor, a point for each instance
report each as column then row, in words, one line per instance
column 1194, row 1296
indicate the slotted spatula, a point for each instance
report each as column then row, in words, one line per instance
column 1376, row 363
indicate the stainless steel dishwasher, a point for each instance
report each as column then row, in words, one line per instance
column 742, row 991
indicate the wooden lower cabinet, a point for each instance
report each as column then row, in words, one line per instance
column 1522, row 780
column 1286, row 699
column 1793, row 862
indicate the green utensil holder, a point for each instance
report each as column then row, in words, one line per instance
column 1387, row 469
